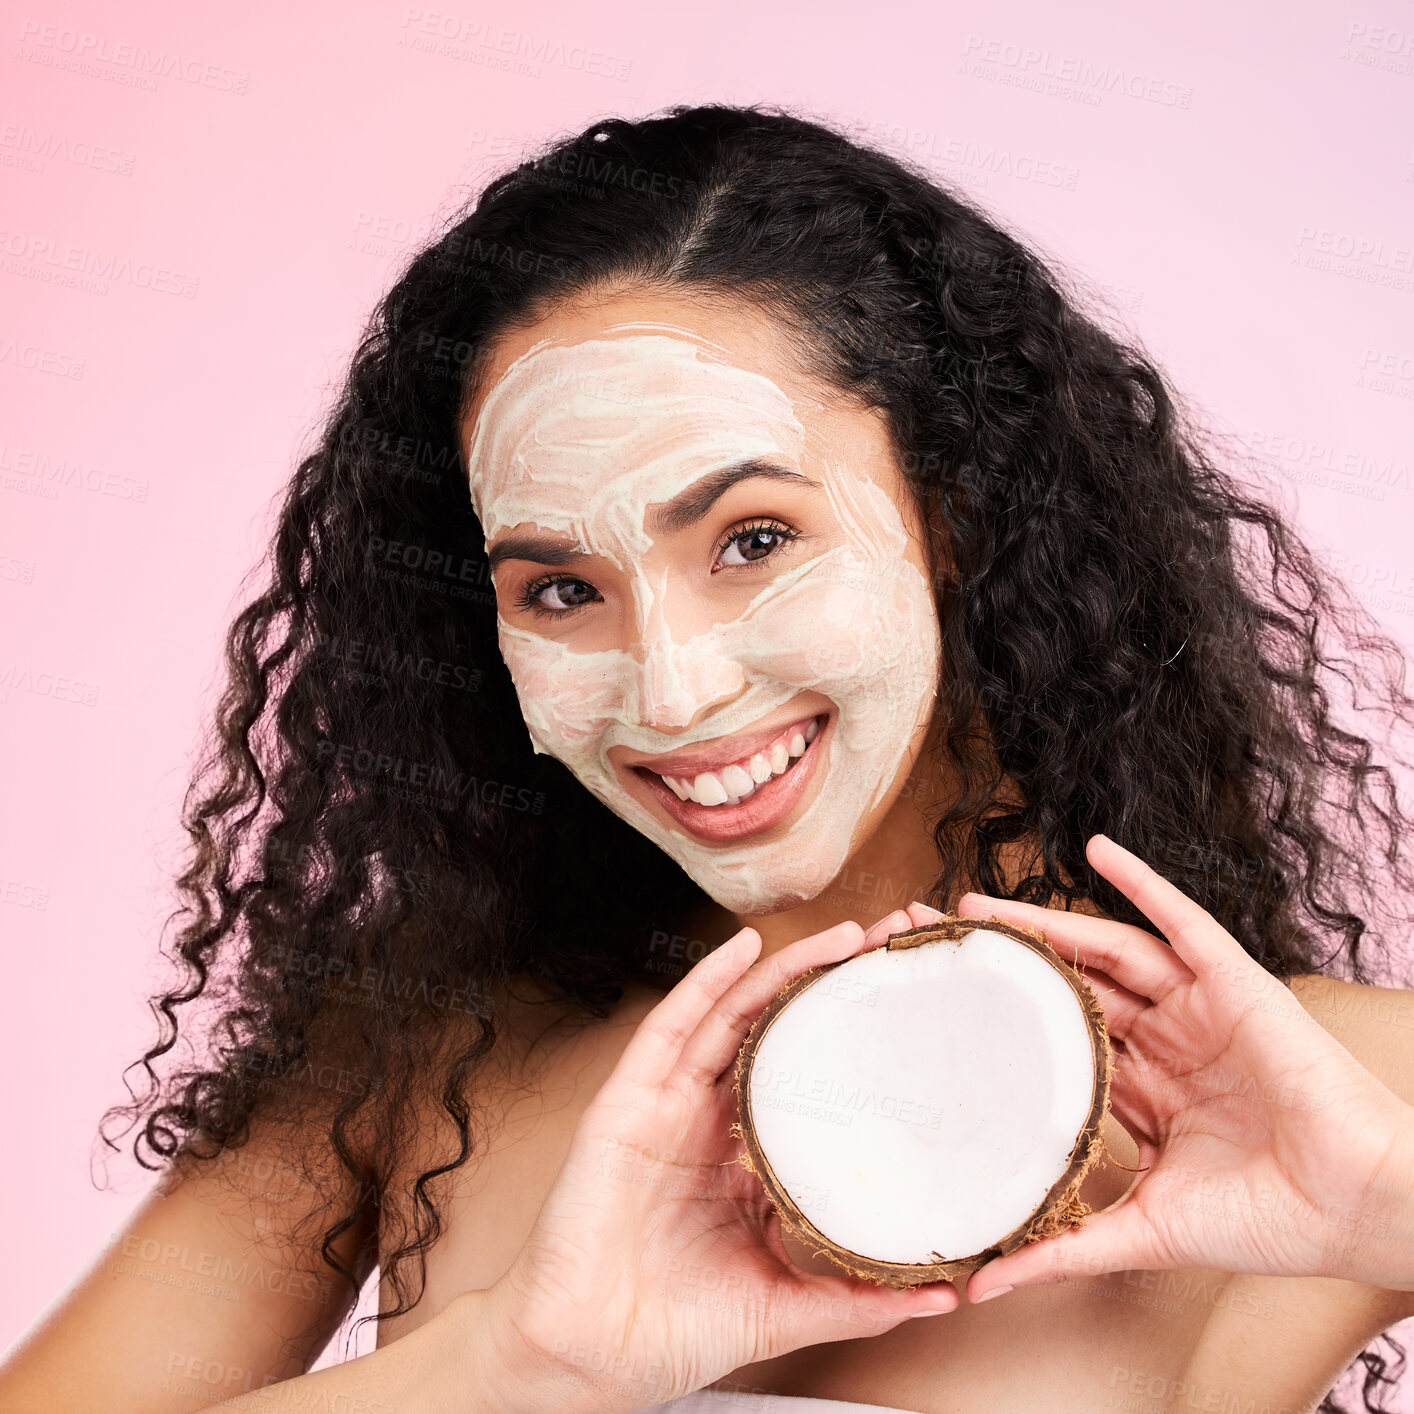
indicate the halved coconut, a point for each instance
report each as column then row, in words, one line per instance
column 919, row 1109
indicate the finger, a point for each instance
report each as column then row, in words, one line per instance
column 656, row 1046
column 1121, row 1006
column 843, row 1308
column 1133, row 1106
column 714, row 1045
column 1197, row 937
column 1137, row 960
column 1119, row 1239
column 897, row 922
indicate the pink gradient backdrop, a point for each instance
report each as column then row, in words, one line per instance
column 276, row 177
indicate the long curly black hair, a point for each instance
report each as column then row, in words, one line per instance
column 1133, row 643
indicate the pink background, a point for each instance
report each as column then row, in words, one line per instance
column 1242, row 201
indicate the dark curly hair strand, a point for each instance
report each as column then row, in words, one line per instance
column 1132, row 644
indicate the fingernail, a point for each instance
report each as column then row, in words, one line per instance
column 995, row 1291
column 735, row 941
column 926, row 907
column 916, row 1314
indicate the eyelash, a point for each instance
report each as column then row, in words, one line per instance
column 529, row 596
column 740, row 532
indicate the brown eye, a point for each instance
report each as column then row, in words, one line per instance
column 551, row 596
column 752, row 543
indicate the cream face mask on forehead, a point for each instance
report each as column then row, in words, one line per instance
column 580, row 439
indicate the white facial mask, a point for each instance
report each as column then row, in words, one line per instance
column 580, row 439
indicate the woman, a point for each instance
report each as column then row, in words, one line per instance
column 722, row 523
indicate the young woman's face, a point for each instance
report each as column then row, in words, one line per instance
column 712, row 590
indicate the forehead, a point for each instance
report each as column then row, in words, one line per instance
column 736, row 332
column 585, row 418
column 592, row 414
column 596, row 430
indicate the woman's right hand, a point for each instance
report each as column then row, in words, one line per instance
column 656, row 1264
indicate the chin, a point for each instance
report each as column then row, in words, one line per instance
column 757, row 883
column 755, row 897
column 748, row 879
column 756, row 907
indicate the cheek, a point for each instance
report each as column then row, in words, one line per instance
column 566, row 698
column 851, row 626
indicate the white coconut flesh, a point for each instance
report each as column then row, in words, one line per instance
column 918, row 1105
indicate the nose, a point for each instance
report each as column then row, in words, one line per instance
column 682, row 675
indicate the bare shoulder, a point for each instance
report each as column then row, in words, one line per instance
column 218, row 1268
column 522, row 1104
column 543, row 1047
column 1375, row 1024
column 539, row 1030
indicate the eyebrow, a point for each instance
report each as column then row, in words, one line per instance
column 543, row 549
column 684, row 510
column 689, row 506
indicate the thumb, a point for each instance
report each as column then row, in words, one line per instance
column 1116, row 1240
column 844, row 1308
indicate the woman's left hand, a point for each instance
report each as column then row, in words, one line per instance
column 1264, row 1145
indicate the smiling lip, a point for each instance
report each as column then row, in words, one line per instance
column 713, row 756
column 767, row 804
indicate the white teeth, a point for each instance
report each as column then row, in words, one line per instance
column 708, row 790
column 737, row 799
column 737, row 781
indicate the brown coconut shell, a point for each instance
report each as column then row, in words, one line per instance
column 1061, row 1209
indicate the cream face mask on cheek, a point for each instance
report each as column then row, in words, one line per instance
column 581, row 439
